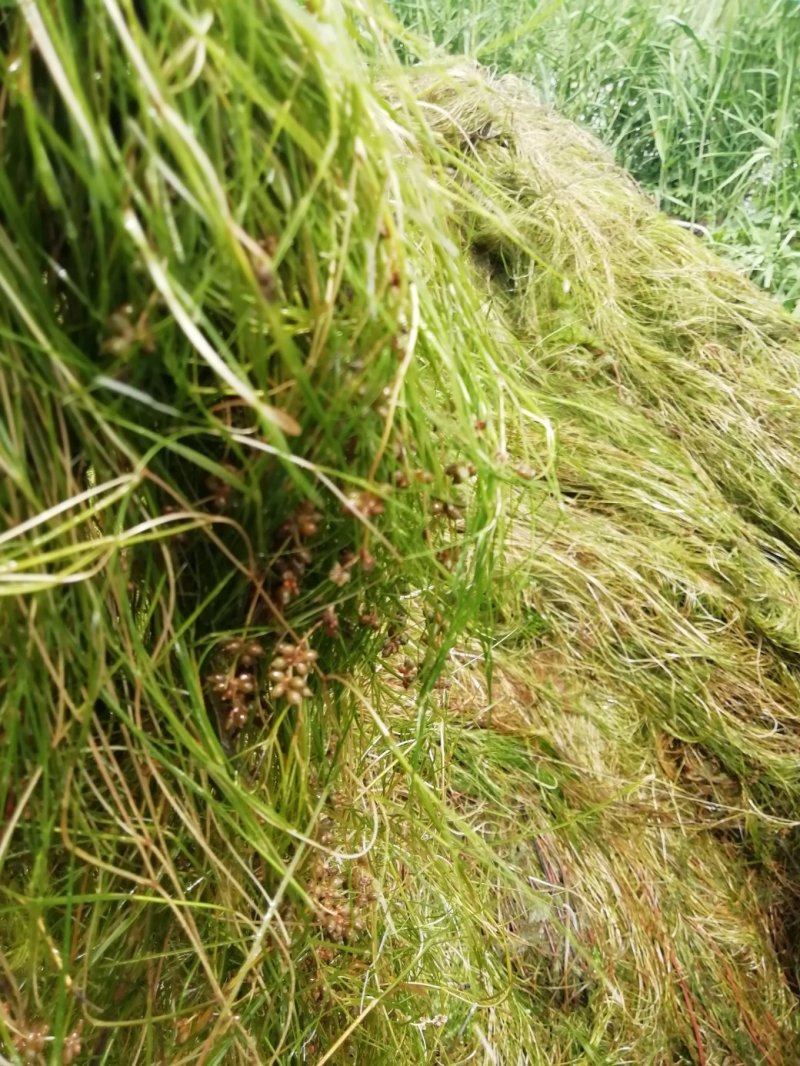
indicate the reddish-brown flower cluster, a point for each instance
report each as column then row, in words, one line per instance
column 364, row 504
column 238, row 686
column 448, row 557
column 396, row 638
column 31, row 1041
column 460, row 472
column 71, row 1048
column 303, row 524
column 407, row 671
column 342, row 905
column 339, row 575
column 341, row 571
column 289, row 670
column 289, row 587
column 330, row 622
column 442, row 507
column 220, row 490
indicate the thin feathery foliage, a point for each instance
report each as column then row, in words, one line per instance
column 399, row 568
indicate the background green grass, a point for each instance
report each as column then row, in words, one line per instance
column 700, row 101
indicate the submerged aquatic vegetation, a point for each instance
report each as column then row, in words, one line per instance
column 399, row 569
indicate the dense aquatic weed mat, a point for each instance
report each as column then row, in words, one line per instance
column 400, row 590
column 671, row 388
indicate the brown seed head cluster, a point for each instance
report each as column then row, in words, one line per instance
column 289, row 587
column 342, row 904
column 364, row 504
column 220, row 490
column 396, row 638
column 341, row 571
column 449, row 510
column 125, row 332
column 339, row 575
column 407, row 671
column 289, row 670
column 525, row 471
column 448, row 557
column 31, row 1040
column 330, row 621
column 246, row 652
column 303, row 524
column 237, row 688
column 460, row 472
column 287, row 572
column 71, row 1048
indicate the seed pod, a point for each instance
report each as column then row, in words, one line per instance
column 330, row 621
column 237, row 717
column 460, row 472
column 339, row 575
